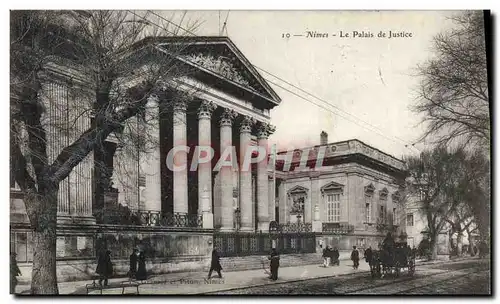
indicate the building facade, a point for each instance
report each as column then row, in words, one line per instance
column 120, row 200
column 176, row 207
column 348, row 191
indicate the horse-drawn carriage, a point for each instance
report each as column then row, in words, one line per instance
column 392, row 260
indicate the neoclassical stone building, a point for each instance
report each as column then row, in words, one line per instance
column 136, row 200
column 351, row 195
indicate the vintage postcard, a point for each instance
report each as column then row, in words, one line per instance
column 250, row 152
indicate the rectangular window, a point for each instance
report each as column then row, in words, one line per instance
column 21, row 247
column 382, row 213
column 394, row 216
column 409, row 220
column 368, row 209
column 333, row 208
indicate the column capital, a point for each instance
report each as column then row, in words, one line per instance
column 206, row 109
column 180, row 105
column 246, row 124
column 227, row 117
column 264, row 130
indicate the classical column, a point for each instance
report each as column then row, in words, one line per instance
column 151, row 161
column 226, row 171
column 246, row 204
column 316, row 199
column 262, row 178
column 283, row 200
column 204, row 140
column 180, row 158
column 272, row 200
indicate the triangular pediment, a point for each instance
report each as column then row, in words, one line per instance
column 332, row 186
column 383, row 193
column 220, row 57
column 396, row 196
column 369, row 189
column 297, row 189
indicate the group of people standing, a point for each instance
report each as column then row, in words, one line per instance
column 331, row 256
column 137, row 268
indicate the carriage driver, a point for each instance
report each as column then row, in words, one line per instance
column 388, row 244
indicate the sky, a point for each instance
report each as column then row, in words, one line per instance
column 370, row 78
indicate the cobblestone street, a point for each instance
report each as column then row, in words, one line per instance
column 466, row 277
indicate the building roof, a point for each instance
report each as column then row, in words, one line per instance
column 347, row 151
column 218, row 59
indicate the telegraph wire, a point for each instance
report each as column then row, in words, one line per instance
column 224, row 26
column 406, row 144
column 332, row 105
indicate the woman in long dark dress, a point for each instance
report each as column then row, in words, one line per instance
column 133, row 264
column 215, row 264
column 141, row 274
column 14, row 272
column 104, row 267
column 274, row 264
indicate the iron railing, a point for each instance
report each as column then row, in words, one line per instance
column 244, row 244
column 151, row 218
column 335, row 228
column 295, row 227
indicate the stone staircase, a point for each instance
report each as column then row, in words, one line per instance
column 255, row 262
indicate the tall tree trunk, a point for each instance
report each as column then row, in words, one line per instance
column 459, row 243
column 434, row 247
column 44, row 275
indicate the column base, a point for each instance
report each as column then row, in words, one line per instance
column 247, row 229
column 76, row 219
column 263, row 226
column 225, row 229
column 208, row 220
column 317, row 226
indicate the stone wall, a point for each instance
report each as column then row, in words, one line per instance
column 166, row 249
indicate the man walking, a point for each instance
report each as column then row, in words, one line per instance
column 104, row 267
column 215, row 264
column 355, row 257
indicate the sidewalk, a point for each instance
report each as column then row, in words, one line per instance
column 197, row 282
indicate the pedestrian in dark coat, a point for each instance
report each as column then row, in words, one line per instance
column 133, row 264
column 141, row 274
column 274, row 264
column 483, row 249
column 326, row 256
column 215, row 264
column 14, row 272
column 368, row 255
column 355, row 257
column 335, row 256
column 104, row 267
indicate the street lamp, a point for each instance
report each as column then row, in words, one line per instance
column 238, row 218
